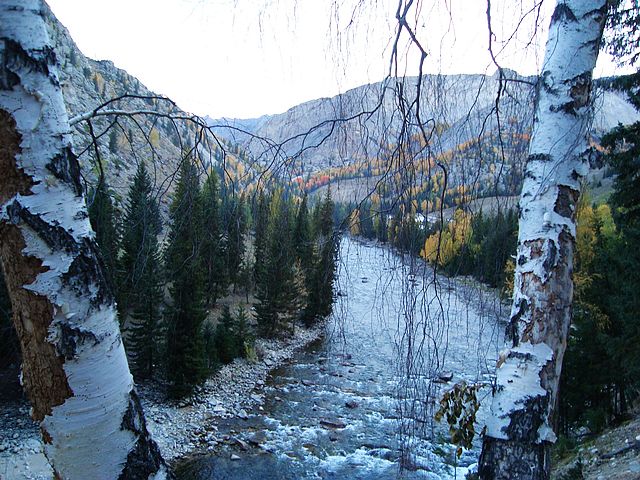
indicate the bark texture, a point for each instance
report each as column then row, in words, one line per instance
column 74, row 366
column 520, row 431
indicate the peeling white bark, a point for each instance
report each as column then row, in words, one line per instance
column 520, row 368
column 98, row 431
column 520, row 428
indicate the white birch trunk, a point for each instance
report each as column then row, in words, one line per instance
column 520, row 430
column 74, row 366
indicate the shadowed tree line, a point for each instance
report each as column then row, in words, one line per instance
column 166, row 291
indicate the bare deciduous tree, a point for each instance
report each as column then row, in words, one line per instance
column 75, row 370
column 520, row 429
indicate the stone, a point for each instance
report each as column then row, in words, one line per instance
column 234, row 457
column 243, row 445
column 333, row 424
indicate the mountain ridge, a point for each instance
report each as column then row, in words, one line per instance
column 449, row 100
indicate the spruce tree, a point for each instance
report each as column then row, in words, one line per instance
column 305, row 258
column 320, row 290
column 144, row 332
column 141, row 290
column 141, row 227
column 276, row 285
column 103, row 220
column 209, row 342
column 302, row 237
column 261, row 221
column 225, row 340
column 235, row 226
column 244, row 337
column 366, row 220
column 232, row 335
column 185, row 348
column 246, row 277
column 623, row 270
column 212, row 251
column 602, row 367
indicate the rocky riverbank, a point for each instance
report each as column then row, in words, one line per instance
column 612, row 455
column 190, row 426
column 180, row 429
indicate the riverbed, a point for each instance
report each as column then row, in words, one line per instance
column 359, row 403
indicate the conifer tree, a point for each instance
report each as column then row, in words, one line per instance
column 305, row 258
column 246, row 277
column 232, row 335
column 261, row 220
column 209, row 342
column 212, row 252
column 104, row 223
column 235, row 226
column 141, row 227
column 320, row 290
column 225, row 341
column 602, row 364
column 276, row 286
column 144, row 332
column 185, row 348
column 244, row 337
column 302, row 237
column 141, row 273
column 366, row 221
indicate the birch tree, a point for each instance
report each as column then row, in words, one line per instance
column 520, row 428
column 74, row 367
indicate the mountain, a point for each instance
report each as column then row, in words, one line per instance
column 365, row 124
column 161, row 139
column 354, row 137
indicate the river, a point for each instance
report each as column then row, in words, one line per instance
column 359, row 404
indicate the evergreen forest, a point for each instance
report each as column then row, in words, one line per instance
column 194, row 291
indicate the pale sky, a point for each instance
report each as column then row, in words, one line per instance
column 245, row 58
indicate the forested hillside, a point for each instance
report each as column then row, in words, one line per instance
column 144, row 127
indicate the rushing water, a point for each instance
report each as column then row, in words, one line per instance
column 359, row 404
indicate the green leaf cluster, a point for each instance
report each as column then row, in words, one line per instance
column 459, row 407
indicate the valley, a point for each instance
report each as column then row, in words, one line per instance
column 403, row 280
